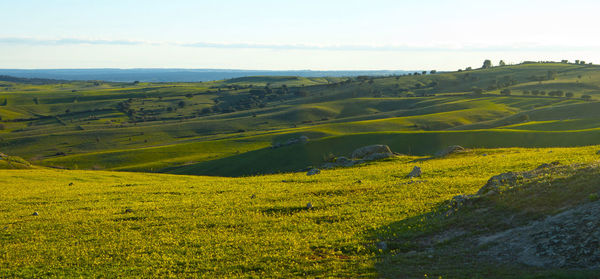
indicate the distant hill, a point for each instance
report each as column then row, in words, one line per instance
column 175, row 75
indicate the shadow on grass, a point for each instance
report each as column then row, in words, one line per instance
column 443, row 243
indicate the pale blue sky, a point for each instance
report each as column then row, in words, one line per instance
column 320, row 35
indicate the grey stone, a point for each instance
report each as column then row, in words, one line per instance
column 35, row 214
column 309, row 206
column 365, row 151
column 382, row 245
column 377, row 156
column 416, row 172
column 313, row 172
column 303, row 139
column 450, row 150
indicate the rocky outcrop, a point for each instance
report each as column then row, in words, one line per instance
column 566, row 240
column 361, row 155
column 509, row 180
column 450, row 150
column 313, row 172
column 372, row 151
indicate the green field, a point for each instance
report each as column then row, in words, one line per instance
column 172, row 127
column 196, row 226
column 190, row 180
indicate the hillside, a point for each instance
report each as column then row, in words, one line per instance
column 209, row 179
column 217, row 127
column 364, row 221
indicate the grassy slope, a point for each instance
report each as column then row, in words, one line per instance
column 95, row 134
column 296, row 157
column 186, row 226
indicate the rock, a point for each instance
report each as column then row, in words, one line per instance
column 343, row 160
column 291, row 141
column 309, row 206
column 598, row 152
column 365, row 151
column 253, row 196
column 416, row 172
column 35, row 214
column 377, row 156
column 303, row 139
column 128, row 210
column 450, row 150
column 313, row 172
column 566, row 240
column 545, row 166
column 484, row 154
column 71, row 184
column 506, row 180
column 327, row 166
column 460, row 201
column 382, row 245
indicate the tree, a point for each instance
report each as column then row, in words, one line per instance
column 551, row 75
column 206, row 110
column 432, row 72
column 525, row 92
column 468, row 69
column 424, row 72
column 487, row 64
column 586, row 97
column 181, row 104
column 477, row 90
column 569, row 94
column 505, row 92
column 502, row 63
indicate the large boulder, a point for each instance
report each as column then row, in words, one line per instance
column 450, row 150
column 382, row 151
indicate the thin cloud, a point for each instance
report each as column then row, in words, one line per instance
column 439, row 47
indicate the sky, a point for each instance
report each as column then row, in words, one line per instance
column 294, row 35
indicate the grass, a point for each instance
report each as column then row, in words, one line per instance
column 296, row 157
column 191, row 226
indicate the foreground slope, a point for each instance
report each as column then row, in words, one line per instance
column 365, row 221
